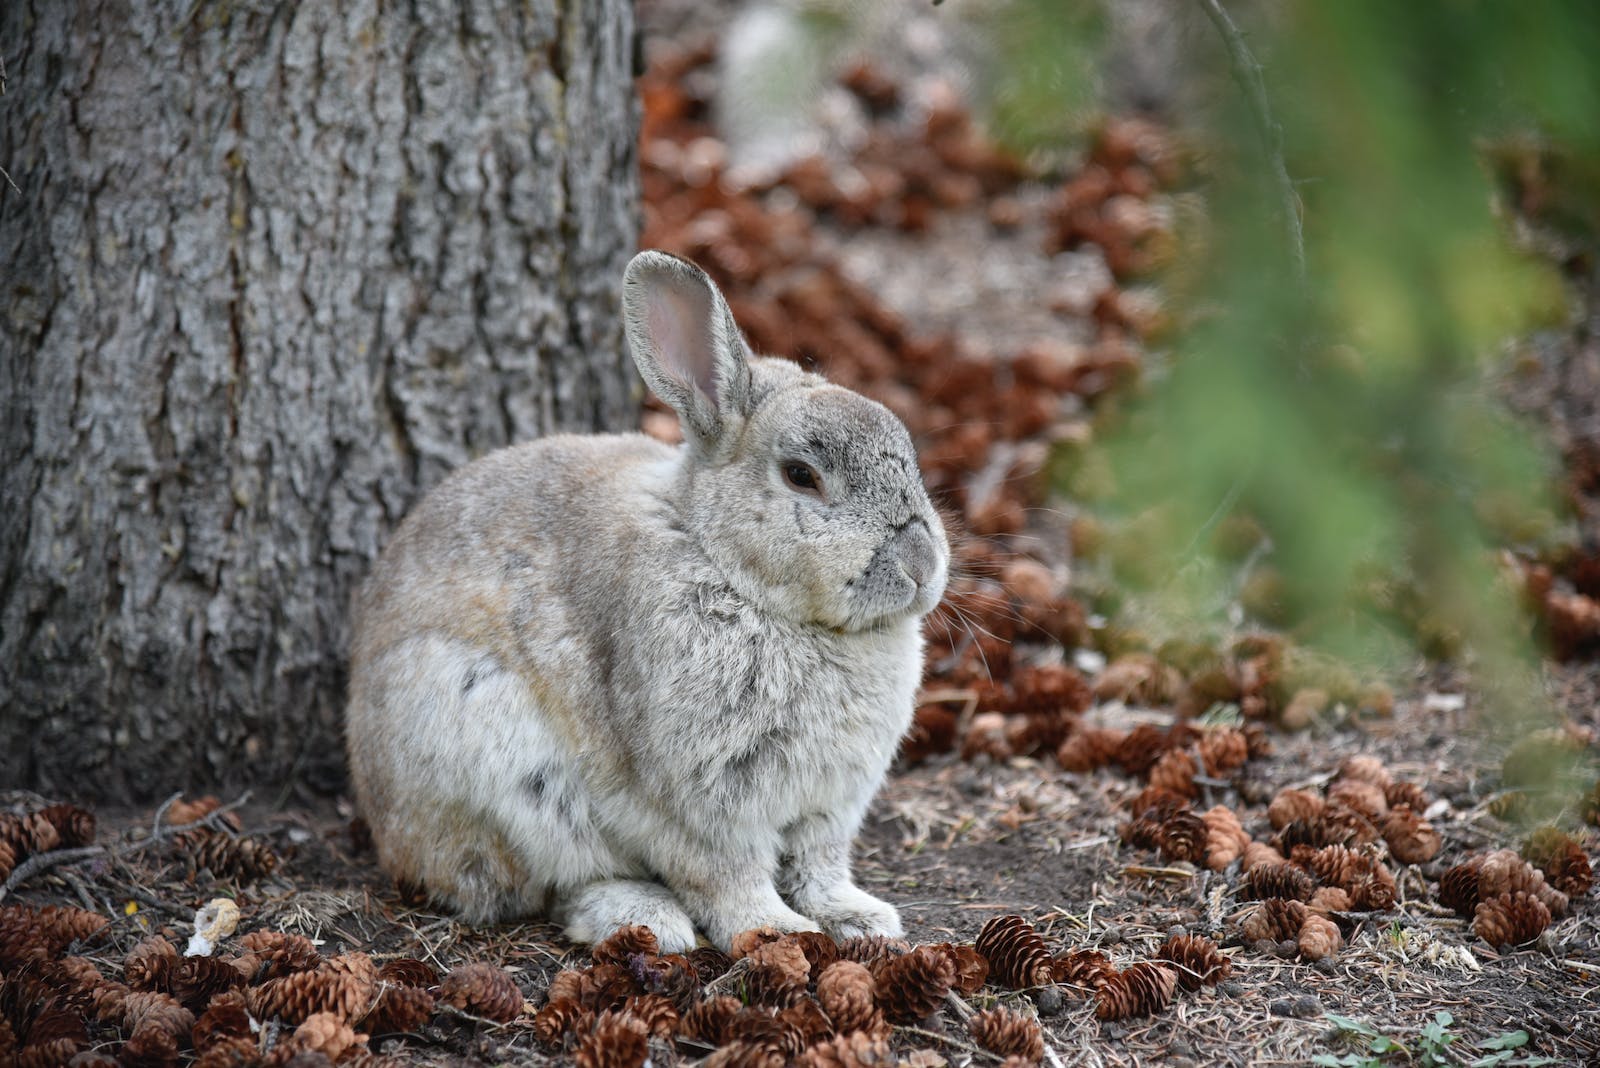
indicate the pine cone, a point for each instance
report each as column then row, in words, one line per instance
column 1275, row 920
column 617, row 1040
column 1505, row 872
column 398, row 1009
column 1141, row 748
column 1157, row 802
column 150, row 963
column 873, row 949
column 1008, row 1034
column 1257, row 854
column 1329, row 899
column 149, row 1048
column 1223, row 750
column 1139, row 990
column 1319, row 938
column 773, row 985
column 1089, row 748
column 1408, row 794
column 1412, row 839
column 242, row 860
column 51, row 1054
column 74, row 825
column 971, row 969
column 55, row 1022
column 405, row 971
column 1364, row 768
column 328, row 1035
column 28, row 933
column 1183, row 837
column 8, row 859
column 1197, row 961
column 14, row 835
column 710, row 1020
column 807, row 1023
column 560, row 1018
column 482, row 990
column 659, row 1016
column 1458, row 887
column 1175, row 771
column 709, row 962
column 1292, row 806
column 673, row 976
column 196, row 980
column 601, row 988
column 224, row 1020
column 1510, row 919
column 858, row 1049
column 183, row 811
column 1364, row 797
column 1016, row 954
column 1226, row 839
column 1340, row 824
column 1562, row 860
column 623, row 943
column 1278, row 880
column 93, row 1058
column 846, row 991
column 746, row 1055
column 39, row 834
column 786, row 957
column 281, row 952
column 820, row 950
column 340, row 986
column 758, row 1029
column 911, row 988
column 746, row 941
column 1082, row 968
column 230, row 1053
column 144, row 1010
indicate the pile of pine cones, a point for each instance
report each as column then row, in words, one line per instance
column 276, row 998
column 51, row 827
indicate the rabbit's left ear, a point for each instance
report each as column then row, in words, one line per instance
column 686, row 345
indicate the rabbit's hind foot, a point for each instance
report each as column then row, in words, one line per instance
column 599, row 908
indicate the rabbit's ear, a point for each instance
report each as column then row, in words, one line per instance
column 686, row 344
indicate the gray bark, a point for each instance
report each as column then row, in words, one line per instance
column 275, row 269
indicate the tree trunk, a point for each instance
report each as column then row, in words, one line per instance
column 273, row 271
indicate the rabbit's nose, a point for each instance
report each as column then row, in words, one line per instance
column 915, row 552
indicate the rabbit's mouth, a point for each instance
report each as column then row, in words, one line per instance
column 905, row 577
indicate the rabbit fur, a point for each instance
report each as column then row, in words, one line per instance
column 616, row 682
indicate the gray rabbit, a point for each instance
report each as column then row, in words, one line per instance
column 617, row 682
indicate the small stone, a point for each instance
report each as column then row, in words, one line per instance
column 1048, row 1000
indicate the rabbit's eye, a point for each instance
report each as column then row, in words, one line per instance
column 802, row 476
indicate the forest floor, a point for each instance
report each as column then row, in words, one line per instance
column 1001, row 310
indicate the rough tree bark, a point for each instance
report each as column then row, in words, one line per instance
column 274, row 269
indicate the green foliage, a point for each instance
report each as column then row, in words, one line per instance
column 1431, row 1048
column 1346, row 415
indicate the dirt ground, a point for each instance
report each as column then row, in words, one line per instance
column 961, row 290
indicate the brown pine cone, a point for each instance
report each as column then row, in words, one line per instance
column 145, row 1009
column 196, row 980
column 55, row 1022
column 225, row 1019
column 398, row 1009
column 105, row 1002
column 1226, row 840
column 658, row 1014
column 482, row 990
column 820, row 950
column 710, row 1020
column 1157, row 802
column 74, row 978
column 1138, row 990
column 39, row 834
column 616, row 1040
column 1412, row 839
column 1144, row 832
column 1319, row 938
column 149, row 1048
column 230, row 1053
column 1223, row 750
column 746, row 941
column 758, row 1027
column 1458, row 887
column 328, row 1035
column 560, row 1018
column 1182, row 837
column 911, row 988
column 872, row 949
column 1364, row 797
column 27, row 933
column 1505, row 872
column 1175, row 771
column 971, row 969
column 1408, row 794
column 1561, row 859
column 282, row 953
column 338, row 987
column 1365, row 768
column 600, row 988
column 1278, row 880
column 673, row 976
column 846, row 991
column 406, row 971
column 51, row 1054
column 1196, row 959
column 1291, row 806
column 150, row 963
column 1008, row 1034
column 14, row 836
column 624, row 943
column 1089, row 748
column 184, row 811
column 1141, row 748
column 772, row 985
column 807, row 1024
column 1510, row 919
column 1257, row 854
column 858, row 1049
column 1372, row 888
column 786, row 957
column 242, row 859
column 1340, row 824
column 1016, row 954
column 709, row 962
column 8, row 858
column 1275, row 920
column 74, row 826
column 744, row 1054
column 1330, row 899
column 93, row 1058
column 1085, row 969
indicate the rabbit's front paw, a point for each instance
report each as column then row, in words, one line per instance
column 847, row 911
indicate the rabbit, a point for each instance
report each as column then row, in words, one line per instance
column 611, row 681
